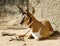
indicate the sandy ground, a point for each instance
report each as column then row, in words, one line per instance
column 4, row 40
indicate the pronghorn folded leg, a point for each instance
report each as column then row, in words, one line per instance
column 24, row 34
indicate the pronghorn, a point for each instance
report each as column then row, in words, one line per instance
column 39, row 29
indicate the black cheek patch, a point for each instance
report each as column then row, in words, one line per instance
column 22, row 21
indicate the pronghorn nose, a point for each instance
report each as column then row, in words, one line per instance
column 22, row 20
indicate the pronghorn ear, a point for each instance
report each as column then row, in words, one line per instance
column 33, row 10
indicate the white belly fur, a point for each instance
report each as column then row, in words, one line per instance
column 36, row 35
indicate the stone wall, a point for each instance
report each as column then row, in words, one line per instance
column 48, row 9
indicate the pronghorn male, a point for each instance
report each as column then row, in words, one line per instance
column 40, row 29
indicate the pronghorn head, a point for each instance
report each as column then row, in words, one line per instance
column 26, row 16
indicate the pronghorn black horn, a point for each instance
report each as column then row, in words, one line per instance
column 33, row 10
column 21, row 9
